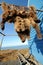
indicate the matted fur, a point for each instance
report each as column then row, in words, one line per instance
column 22, row 20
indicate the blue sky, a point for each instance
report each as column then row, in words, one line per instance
column 15, row 40
column 9, row 28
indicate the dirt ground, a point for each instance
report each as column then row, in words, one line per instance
column 10, row 57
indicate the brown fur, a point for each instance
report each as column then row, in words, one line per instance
column 22, row 27
column 22, row 20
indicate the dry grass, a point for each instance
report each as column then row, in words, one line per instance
column 11, row 56
column 6, row 55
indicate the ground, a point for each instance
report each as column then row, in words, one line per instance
column 8, row 56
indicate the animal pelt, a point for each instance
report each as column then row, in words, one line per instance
column 33, row 14
column 11, row 11
column 20, row 11
column 22, row 27
column 22, row 20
